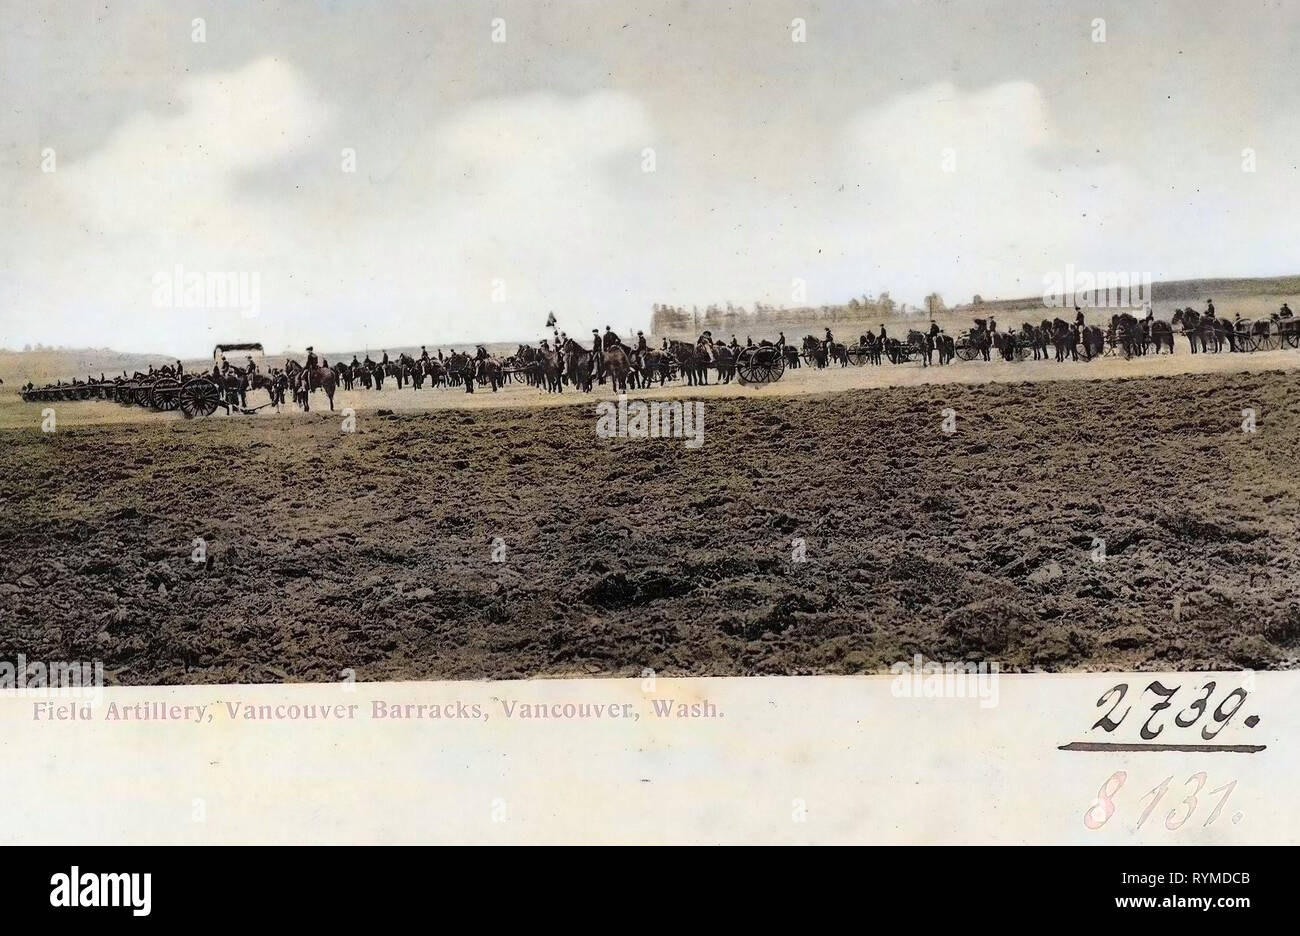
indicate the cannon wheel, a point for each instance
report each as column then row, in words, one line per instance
column 199, row 398
column 750, row 368
column 1247, row 342
column 747, row 368
column 1268, row 341
column 165, row 394
column 967, row 351
column 857, row 356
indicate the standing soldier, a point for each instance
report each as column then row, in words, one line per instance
column 597, row 355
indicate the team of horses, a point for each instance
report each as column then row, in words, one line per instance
column 570, row 364
column 623, row 367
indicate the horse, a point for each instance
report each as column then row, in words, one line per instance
column 947, row 349
column 1064, row 339
column 579, row 364
column 980, row 339
column 693, row 359
column 922, row 343
column 617, row 367
column 549, row 370
column 412, row 369
column 490, row 371
column 1210, row 331
column 307, row 380
column 1094, row 342
column 396, row 370
column 1005, row 342
column 1161, row 334
column 1036, row 337
column 815, row 349
column 870, row 345
column 274, row 384
column 460, row 367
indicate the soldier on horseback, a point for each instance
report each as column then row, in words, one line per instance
column 309, row 368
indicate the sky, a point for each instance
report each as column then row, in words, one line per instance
column 385, row 173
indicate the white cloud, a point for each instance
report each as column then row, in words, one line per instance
column 545, row 192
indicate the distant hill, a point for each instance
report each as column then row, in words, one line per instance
column 1252, row 296
column 17, row 367
column 1192, row 292
column 46, row 365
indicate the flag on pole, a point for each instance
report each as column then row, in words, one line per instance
column 550, row 320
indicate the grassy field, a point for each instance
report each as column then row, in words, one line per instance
column 372, row 551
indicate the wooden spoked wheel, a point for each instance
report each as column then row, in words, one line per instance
column 199, row 398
